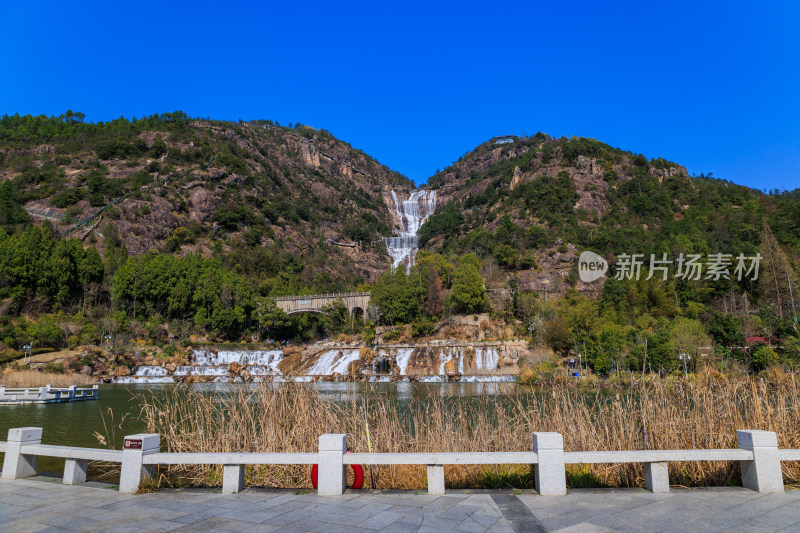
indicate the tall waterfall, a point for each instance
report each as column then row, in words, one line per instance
column 409, row 215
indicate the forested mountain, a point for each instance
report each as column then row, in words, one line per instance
column 530, row 206
column 129, row 225
column 271, row 200
column 167, row 224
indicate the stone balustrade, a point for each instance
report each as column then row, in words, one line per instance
column 47, row 394
column 758, row 454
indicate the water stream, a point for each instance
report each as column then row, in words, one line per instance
column 410, row 215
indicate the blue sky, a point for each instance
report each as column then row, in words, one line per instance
column 713, row 86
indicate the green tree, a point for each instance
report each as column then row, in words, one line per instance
column 398, row 296
column 468, row 294
column 612, row 343
column 335, row 317
column 270, row 318
column 727, row 330
column 11, row 212
column 557, row 335
column 506, row 255
column 763, row 357
column 159, row 147
column 687, row 336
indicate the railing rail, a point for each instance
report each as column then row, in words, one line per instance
column 323, row 296
column 650, row 456
column 758, row 454
column 449, row 458
column 231, row 458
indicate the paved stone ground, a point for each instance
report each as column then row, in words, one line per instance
column 44, row 504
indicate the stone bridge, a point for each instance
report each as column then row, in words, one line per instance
column 355, row 302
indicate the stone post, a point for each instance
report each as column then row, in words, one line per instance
column 551, row 477
column 133, row 452
column 73, row 391
column 17, row 465
column 75, row 471
column 331, row 474
column 763, row 473
column 232, row 479
column 656, row 476
column 435, row 479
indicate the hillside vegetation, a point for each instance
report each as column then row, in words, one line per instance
column 137, row 227
column 169, row 227
column 528, row 208
column 268, row 201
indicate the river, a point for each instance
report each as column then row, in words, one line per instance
column 115, row 414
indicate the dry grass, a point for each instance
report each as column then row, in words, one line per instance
column 647, row 415
column 34, row 378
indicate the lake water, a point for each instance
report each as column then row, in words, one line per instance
column 115, row 414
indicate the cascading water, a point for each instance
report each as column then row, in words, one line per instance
column 147, row 374
column 429, row 363
column 486, row 358
column 334, row 361
column 410, row 214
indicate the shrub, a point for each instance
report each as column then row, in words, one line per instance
column 392, row 335
column 52, row 367
column 763, row 356
column 422, row 327
column 96, row 199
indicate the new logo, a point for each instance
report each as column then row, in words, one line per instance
column 591, row 267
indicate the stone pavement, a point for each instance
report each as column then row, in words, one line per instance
column 44, row 504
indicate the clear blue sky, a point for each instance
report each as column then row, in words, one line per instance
column 713, row 86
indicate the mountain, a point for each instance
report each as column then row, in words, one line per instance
column 273, row 199
column 529, row 205
column 168, row 226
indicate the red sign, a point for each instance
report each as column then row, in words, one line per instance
column 132, row 444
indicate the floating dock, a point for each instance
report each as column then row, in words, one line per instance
column 47, row 394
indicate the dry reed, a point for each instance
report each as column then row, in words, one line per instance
column 34, row 378
column 647, row 415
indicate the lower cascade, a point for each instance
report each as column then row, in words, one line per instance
column 425, row 363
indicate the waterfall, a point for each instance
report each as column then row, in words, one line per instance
column 427, row 363
column 486, row 359
column 147, row 374
column 403, row 358
column 151, row 371
column 269, row 358
column 409, row 214
column 334, row 361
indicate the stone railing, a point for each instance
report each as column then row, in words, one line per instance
column 47, row 394
column 758, row 454
column 333, row 295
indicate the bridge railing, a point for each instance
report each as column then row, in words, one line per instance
column 334, row 295
column 758, row 454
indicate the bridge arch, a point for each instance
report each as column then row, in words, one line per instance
column 299, row 311
column 356, row 303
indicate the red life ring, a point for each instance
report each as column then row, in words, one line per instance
column 358, row 476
